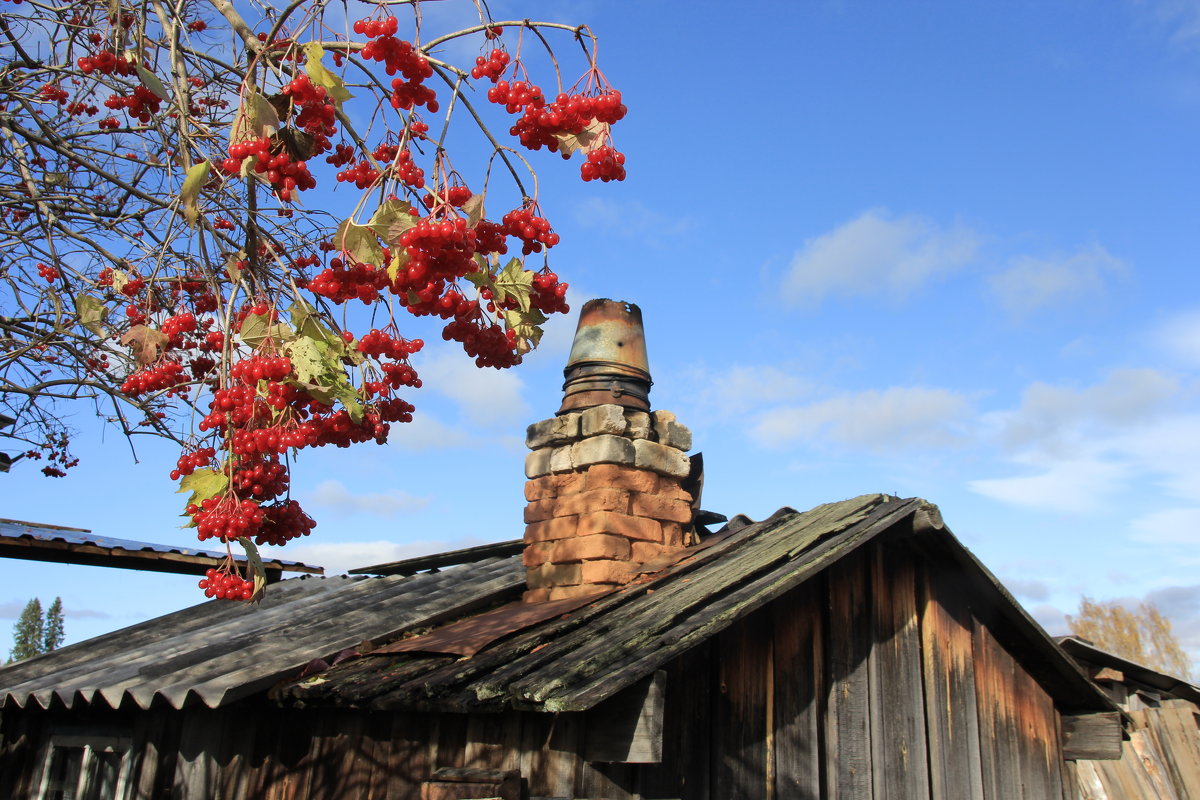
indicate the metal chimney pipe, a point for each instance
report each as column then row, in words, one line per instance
column 608, row 363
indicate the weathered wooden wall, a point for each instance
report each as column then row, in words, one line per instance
column 876, row 680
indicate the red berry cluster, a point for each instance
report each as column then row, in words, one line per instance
column 191, row 460
column 530, row 227
column 154, row 378
column 226, row 518
column 141, row 105
column 285, row 176
column 105, row 62
column 48, row 273
column 397, row 55
column 284, row 522
column 603, row 163
column 491, row 67
column 224, row 585
column 53, row 93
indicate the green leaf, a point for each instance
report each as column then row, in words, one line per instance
column 119, row 279
column 474, row 210
column 482, row 280
column 400, row 259
column 527, row 326
column 255, row 329
column 349, row 397
column 360, row 242
column 313, row 53
column 91, row 313
column 255, row 118
column 203, row 484
column 515, row 282
column 391, row 220
column 254, row 563
column 310, row 360
column 568, row 143
column 151, row 82
column 196, row 176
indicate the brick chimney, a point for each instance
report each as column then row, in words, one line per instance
column 606, row 475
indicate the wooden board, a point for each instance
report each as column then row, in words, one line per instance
column 848, row 764
column 799, row 690
column 952, row 721
column 686, row 767
column 898, row 744
column 741, row 757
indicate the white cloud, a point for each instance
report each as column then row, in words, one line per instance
column 631, row 219
column 1066, row 486
column 1180, row 337
column 874, row 420
column 1064, row 421
column 426, row 432
column 743, row 387
column 1030, row 283
column 1169, row 526
column 1050, row 618
column 1027, row 588
column 487, row 397
column 334, row 494
column 874, row 254
column 338, row 557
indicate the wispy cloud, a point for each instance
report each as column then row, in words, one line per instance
column 334, row 494
column 1030, row 283
column 1072, row 486
column 631, row 219
column 876, row 254
column 339, row 557
column 1179, row 337
column 426, row 432
column 486, row 397
column 878, row 421
column 1168, row 526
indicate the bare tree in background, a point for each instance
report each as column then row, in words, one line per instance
column 1143, row 634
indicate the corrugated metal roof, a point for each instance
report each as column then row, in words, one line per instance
column 53, row 542
column 575, row 661
column 218, row 652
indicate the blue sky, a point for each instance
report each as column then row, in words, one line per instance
column 944, row 249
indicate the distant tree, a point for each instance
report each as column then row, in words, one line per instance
column 52, row 636
column 1143, row 634
column 28, row 637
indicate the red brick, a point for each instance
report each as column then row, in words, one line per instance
column 538, row 553
column 582, row 548
column 672, row 534
column 617, row 476
column 644, row 552
column 550, row 486
column 670, row 489
column 656, row 507
column 547, row 576
column 551, row 529
column 605, row 571
column 538, row 510
column 593, row 500
column 536, row 596
column 562, row 592
column 620, row 524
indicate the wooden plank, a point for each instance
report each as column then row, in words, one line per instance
column 743, row 654
column 451, row 741
column 798, row 675
column 898, row 743
column 1092, row 736
column 409, row 757
column 1042, row 743
column 555, row 762
column 628, row 727
column 997, row 771
column 951, row 715
column 484, row 746
column 848, row 720
column 195, row 768
column 602, row 780
column 20, row 738
column 686, row 767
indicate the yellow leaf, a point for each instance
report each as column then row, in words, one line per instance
column 196, row 176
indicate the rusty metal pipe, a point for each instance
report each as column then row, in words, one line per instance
column 608, row 361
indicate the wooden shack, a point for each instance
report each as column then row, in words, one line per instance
column 855, row 650
column 1160, row 755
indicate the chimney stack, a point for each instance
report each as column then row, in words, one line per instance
column 606, row 473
